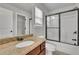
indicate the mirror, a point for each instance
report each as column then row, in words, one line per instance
column 21, row 20
column 13, row 24
column 6, row 23
column 22, row 25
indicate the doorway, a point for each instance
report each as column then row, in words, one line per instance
column 21, row 20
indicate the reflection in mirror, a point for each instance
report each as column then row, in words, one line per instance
column 13, row 23
column 22, row 25
column 6, row 23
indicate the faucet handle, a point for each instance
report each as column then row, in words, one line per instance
column 19, row 38
column 75, row 32
column 74, row 39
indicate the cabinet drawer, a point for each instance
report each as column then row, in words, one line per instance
column 35, row 51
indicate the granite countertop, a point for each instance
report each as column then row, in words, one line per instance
column 10, row 48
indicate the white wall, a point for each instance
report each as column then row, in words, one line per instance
column 6, row 23
column 70, row 49
column 61, row 9
column 38, row 30
column 27, row 26
column 15, row 11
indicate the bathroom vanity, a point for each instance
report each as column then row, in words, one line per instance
column 37, row 48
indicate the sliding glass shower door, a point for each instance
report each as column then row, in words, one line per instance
column 69, row 27
column 63, row 27
column 53, row 27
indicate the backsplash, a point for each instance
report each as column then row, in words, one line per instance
column 11, row 39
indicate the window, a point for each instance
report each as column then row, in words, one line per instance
column 38, row 16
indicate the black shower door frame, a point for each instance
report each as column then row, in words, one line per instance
column 60, row 26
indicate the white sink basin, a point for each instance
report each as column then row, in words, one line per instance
column 24, row 44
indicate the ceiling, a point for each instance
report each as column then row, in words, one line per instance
column 46, row 7
column 28, row 6
column 53, row 6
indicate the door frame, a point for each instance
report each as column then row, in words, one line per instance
column 23, row 21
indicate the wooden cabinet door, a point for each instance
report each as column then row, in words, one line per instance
column 43, row 52
column 40, row 50
column 36, row 51
column 42, row 46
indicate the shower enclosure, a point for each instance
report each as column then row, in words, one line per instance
column 63, row 27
